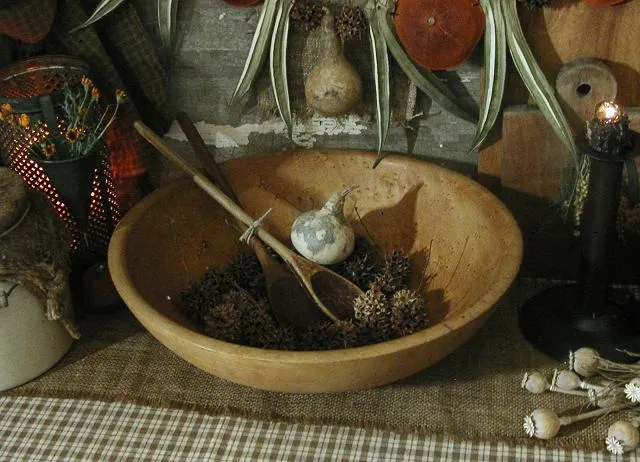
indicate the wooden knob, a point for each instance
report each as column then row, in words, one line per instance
column 581, row 85
column 15, row 198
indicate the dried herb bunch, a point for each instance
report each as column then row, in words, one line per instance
column 231, row 304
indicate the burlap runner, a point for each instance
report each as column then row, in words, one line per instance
column 474, row 394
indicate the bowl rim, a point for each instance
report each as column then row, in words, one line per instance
column 145, row 312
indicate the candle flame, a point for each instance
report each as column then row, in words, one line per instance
column 608, row 112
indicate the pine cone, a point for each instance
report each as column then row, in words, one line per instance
column 384, row 283
column 350, row 333
column 395, row 275
column 275, row 337
column 306, row 15
column 321, row 336
column 398, row 265
column 360, row 267
column 199, row 298
column 351, row 23
column 408, row 312
column 247, row 272
column 372, row 311
column 223, row 322
column 531, row 4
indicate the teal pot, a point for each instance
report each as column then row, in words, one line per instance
column 73, row 179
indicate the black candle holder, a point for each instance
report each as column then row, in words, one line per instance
column 589, row 312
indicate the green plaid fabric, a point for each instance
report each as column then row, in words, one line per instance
column 472, row 395
column 39, row 429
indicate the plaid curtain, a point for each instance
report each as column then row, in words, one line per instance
column 120, row 53
column 26, row 20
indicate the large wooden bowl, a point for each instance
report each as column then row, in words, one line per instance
column 170, row 238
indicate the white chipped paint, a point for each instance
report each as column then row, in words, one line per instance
column 305, row 133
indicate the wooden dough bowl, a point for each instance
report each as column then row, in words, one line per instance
column 168, row 240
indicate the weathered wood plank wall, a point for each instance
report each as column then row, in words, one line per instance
column 213, row 42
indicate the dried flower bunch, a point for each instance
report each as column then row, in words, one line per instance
column 82, row 123
column 231, row 304
column 611, row 387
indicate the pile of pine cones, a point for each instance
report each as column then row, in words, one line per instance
column 231, row 304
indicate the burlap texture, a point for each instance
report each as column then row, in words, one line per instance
column 474, row 394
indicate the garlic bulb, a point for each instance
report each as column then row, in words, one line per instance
column 324, row 236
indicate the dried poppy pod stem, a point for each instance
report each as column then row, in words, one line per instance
column 587, row 362
column 569, row 380
column 536, row 383
column 545, row 424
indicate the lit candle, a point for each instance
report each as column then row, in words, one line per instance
column 608, row 112
column 608, row 131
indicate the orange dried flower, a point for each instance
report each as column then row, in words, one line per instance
column 95, row 94
column 24, row 120
column 86, row 82
column 5, row 111
column 121, row 95
column 72, row 135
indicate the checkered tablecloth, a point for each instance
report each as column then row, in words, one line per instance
column 41, row 429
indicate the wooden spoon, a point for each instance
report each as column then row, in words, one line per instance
column 332, row 293
column 289, row 300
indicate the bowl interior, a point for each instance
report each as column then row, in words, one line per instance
column 470, row 240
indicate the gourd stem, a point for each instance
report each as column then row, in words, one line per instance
column 331, row 44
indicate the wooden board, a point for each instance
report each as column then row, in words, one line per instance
column 524, row 161
column 568, row 31
column 532, row 168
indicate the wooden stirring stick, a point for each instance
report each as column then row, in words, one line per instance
column 332, row 293
column 290, row 302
